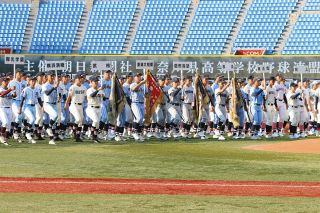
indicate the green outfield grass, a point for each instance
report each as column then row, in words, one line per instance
column 169, row 160
column 153, row 203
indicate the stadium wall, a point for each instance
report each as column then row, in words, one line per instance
column 290, row 66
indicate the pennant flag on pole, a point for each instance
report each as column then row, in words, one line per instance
column 201, row 98
column 153, row 98
column 117, row 100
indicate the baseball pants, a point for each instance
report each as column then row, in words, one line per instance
column 138, row 111
column 104, row 111
column 270, row 115
column 30, row 114
column 16, row 117
column 77, row 112
column 39, row 115
column 257, row 114
column 5, row 118
column 294, row 116
column 221, row 113
column 187, row 113
column 51, row 110
column 94, row 115
column 175, row 113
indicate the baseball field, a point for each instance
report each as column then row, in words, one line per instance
column 171, row 176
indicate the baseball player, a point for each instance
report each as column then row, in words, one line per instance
column 41, row 79
column 94, row 97
column 221, row 97
column 174, row 107
column 121, row 118
column 65, row 114
column 19, row 85
column 50, row 99
column 129, row 118
column 137, row 91
column 271, row 108
column 317, row 108
column 187, row 100
column 281, row 115
column 305, row 108
column 248, row 113
column 6, row 96
column 30, row 98
column 257, row 104
column 293, row 97
column 313, row 113
column 104, row 122
column 77, row 94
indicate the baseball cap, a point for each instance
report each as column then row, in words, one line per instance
column 130, row 74
column 257, row 79
column 108, row 71
column 175, row 79
column 206, row 76
column 94, row 78
column 123, row 77
column 34, row 77
column 79, row 75
column 293, row 84
column 19, row 70
column 272, row 78
column 162, row 78
column 138, row 74
column 306, row 80
column 250, row 77
column 51, row 73
column 40, row 74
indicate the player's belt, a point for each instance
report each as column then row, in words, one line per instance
column 270, row 104
column 257, row 104
column 279, row 99
column 51, row 103
column 223, row 105
column 31, row 105
column 77, row 103
column 175, row 104
column 138, row 102
column 5, row 107
column 16, row 100
column 301, row 106
column 294, row 106
column 97, row 107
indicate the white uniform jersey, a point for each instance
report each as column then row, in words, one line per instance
column 221, row 97
column 271, row 94
column 96, row 100
column 300, row 98
column 6, row 101
column 281, row 90
column 174, row 95
column 30, row 95
column 20, row 85
column 126, row 89
column 78, row 94
column 187, row 94
column 293, row 102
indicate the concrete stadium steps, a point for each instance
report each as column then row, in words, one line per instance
column 236, row 27
column 82, row 26
column 133, row 27
column 31, row 23
column 185, row 26
column 293, row 18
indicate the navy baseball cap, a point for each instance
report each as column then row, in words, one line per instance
column 293, row 84
column 130, row 74
column 51, row 73
column 162, row 78
column 272, row 78
column 33, row 77
column 19, row 70
column 123, row 77
column 94, row 78
column 250, row 77
column 40, row 74
column 175, row 79
column 79, row 75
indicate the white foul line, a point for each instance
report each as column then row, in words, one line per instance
column 157, row 184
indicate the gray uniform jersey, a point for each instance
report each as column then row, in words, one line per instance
column 187, row 94
column 175, row 95
column 20, row 85
column 221, row 98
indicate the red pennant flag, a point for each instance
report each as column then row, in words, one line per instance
column 153, row 98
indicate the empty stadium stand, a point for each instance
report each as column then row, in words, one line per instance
column 159, row 26
column 56, row 26
column 13, row 21
column 108, row 26
column 211, row 26
column 264, row 23
column 304, row 38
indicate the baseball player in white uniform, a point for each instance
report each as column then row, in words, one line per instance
column 271, row 108
column 76, row 96
column 187, row 97
column 248, row 114
column 129, row 118
column 17, row 118
column 281, row 115
column 94, row 97
column 174, row 107
column 294, row 109
column 6, row 96
column 41, row 79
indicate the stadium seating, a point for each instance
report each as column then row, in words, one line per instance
column 264, row 23
column 312, row 5
column 56, row 26
column 108, row 26
column 159, row 26
column 13, row 21
column 211, row 26
column 304, row 38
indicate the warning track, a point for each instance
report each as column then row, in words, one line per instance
column 158, row 186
